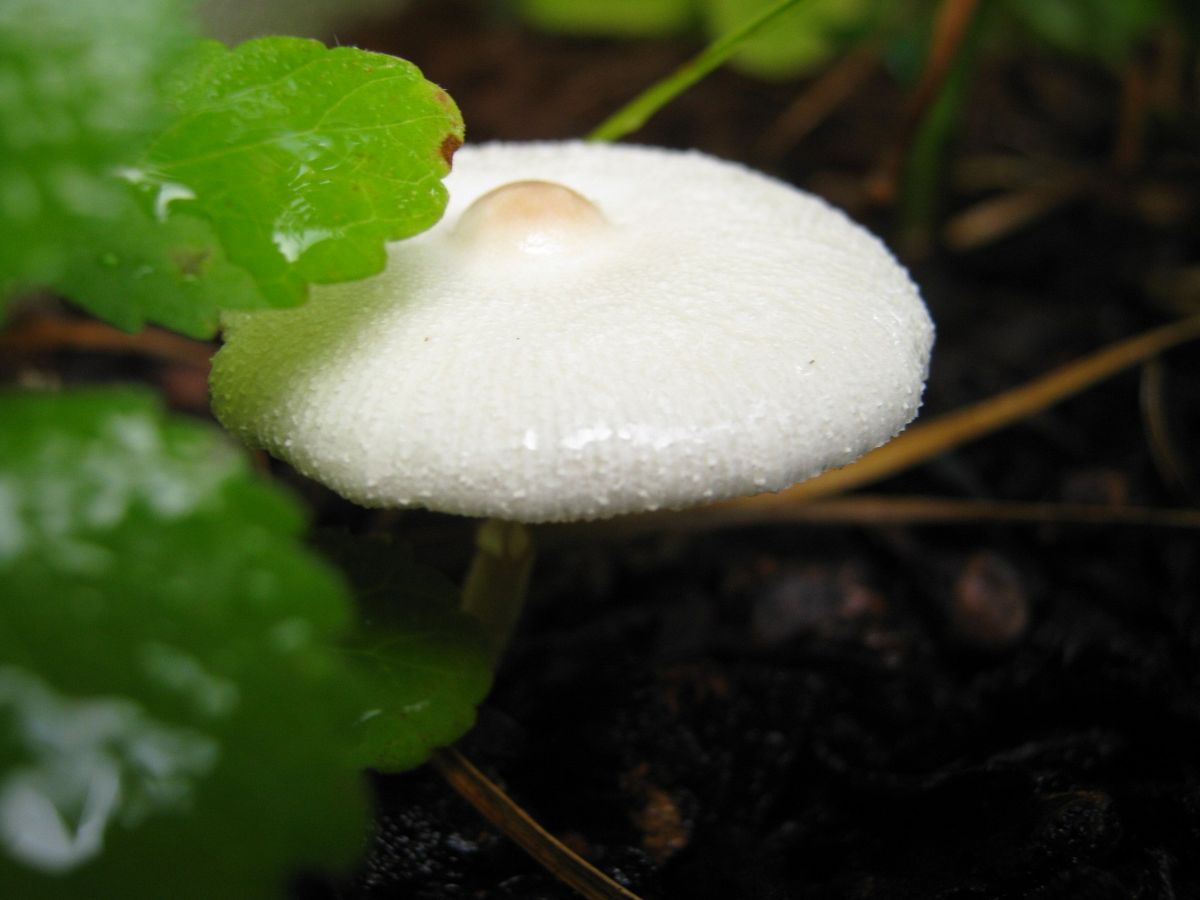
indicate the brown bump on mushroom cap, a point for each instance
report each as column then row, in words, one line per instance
column 707, row 332
column 533, row 217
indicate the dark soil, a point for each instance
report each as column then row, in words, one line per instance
column 982, row 711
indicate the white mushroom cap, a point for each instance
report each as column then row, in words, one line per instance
column 636, row 329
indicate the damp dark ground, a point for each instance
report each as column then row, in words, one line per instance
column 993, row 710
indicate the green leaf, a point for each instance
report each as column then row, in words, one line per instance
column 428, row 664
column 1108, row 30
column 805, row 38
column 172, row 270
column 619, row 18
column 306, row 160
column 79, row 95
column 174, row 717
column 151, row 177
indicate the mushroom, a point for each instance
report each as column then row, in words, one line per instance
column 591, row 330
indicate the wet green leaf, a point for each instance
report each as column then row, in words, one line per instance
column 173, row 271
column 151, row 177
column 79, row 95
column 621, row 18
column 174, row 718
column 1108, row 30
column 427, row 663
column 306, row 160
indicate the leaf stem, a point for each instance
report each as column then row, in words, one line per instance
column 498, row 579
column 634, row 114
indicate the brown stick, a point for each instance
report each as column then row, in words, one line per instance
column 518, row 826
column 1167, row 459
column 819, row 100
column 49, row 334
column 950, row 28
column 997, row 217
column 1133, row 110
column 874, row 510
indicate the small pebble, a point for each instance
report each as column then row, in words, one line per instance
column 990, row 607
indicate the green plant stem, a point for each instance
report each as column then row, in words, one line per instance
column 497, row 581
column 634, row 114
column 935, row 116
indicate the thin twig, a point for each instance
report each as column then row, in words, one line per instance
column 1133, row 112
column 997, row 217
column 818, row 101
column 518, row 826
column 48, row 334
column 872, row 510
column 950, row 29
column 634, row 114
column 1167, row 459
column 1169, row 73
column 1001, row 172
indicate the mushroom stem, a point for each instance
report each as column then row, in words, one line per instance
column 495, row 587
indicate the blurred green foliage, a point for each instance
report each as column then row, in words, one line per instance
column 804, row 39
column 1106, row 30
column 79, row 96
column 166, row 185
column 306, row 160
column 796, row 43
column 816, row 31
column 170, row 688
column 615, row 18
column 186, row 696
column 429, row 664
